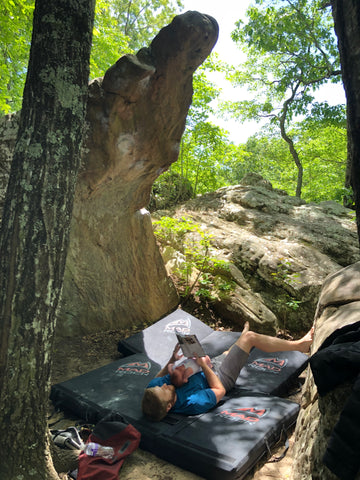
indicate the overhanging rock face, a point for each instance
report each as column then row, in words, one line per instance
column 136, row 115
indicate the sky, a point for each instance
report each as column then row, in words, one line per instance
column 226, row 13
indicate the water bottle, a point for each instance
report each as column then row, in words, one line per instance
column 95, row 450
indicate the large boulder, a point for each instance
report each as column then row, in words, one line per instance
column 115, row 276
column 338, row 306
column 279, row 248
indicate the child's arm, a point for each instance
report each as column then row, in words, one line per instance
column 213, row 380
column 174, row 357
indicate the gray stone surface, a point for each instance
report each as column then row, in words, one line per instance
column 280, row 251
column 339, row 305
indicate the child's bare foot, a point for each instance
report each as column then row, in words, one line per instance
column 242, row 341
column 246, row 327
column 306, row 341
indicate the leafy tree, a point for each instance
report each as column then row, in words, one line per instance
column 291, row 51
column 14, row 50
column 236, row 163
column 196, row 145
column 35, row 228
column 202, row 154
column 204, row 146
column 125, row 26
column 205, row 92
column 121, row 26
column 324, row 161
column 267, row 155
column 322, row 141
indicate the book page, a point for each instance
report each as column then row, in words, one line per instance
column 189, row 345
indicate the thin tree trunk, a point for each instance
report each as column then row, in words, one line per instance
column 35, row 228
column 291, row 145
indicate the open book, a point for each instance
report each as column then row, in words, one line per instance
column 189, row 345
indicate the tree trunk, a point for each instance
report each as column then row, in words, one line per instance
column 346, row 15
column 297, row 161
column 35, row 228
column 288, row 140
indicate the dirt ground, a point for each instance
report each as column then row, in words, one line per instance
column 78, row 355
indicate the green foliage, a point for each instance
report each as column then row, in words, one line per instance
column 172, row 231
column 120, row 27
column 170, row 189
column 287, row 43
column 284, row 44
column 125, row 26
column 323, row 114
column 205, row 148
column 291, row 51
column 321, row 143
column 284, row 272
column 324, row 151
column 198, row 270
column 286, row 305
column 205, row 92
column 203, row 151
column 15, row 39
column 323, row 148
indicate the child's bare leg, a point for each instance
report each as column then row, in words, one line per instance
column 268, row 344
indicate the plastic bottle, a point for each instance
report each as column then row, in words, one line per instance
column 95, row 450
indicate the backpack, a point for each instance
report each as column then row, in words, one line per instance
column 115, row 432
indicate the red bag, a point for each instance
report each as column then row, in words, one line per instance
column 124, row 438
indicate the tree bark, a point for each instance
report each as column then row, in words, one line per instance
column 290, row 143
column 35, row 228
column 346, row 15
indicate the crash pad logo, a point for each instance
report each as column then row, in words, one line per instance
column 269, row 364
column 244, row 415
column 182, row 325
column 134, row 368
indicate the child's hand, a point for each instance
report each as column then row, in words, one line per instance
column 202, row 361
column 175, row 355
column 208, row 361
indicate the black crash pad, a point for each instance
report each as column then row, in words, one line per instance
column 158, row 340
column 271, row 373
column 228, row 441
column 264, row 373
column 223, row 443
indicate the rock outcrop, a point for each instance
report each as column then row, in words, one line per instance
column 136, row 114
column 136, row 117
column 279, row 248
column 338, row 306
